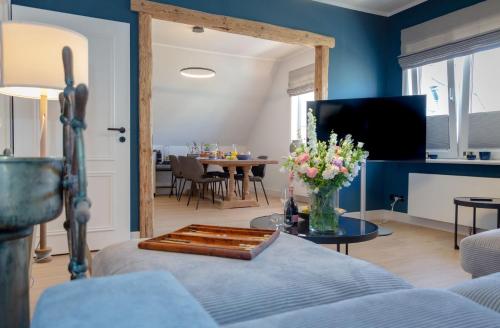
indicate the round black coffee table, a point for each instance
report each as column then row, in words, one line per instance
column 350, row 231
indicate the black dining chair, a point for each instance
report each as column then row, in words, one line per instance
column 193, row 171
column 258, row 174
column 177, row 177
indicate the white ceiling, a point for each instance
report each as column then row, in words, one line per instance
column 222, row 109
column 217, row 110
column 181, row 35
column 377, row 7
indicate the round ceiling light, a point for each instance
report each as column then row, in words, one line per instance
column 197, row 72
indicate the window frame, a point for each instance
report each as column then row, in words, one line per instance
column 411, row 86
column 466, row 109
column 295, row 104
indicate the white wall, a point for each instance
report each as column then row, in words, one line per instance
column 271, row 133
column 219, row 110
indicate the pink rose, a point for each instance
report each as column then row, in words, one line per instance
column 312, row 172
column 302, row 158
column 344, row 170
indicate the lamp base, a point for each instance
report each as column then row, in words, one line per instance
column 43, row 255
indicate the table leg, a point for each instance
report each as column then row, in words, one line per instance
column 456, row 226
column 230, row 192
column 346, row 249
column 338, row 248
column 498, row 219
column 246, row 182
column 474, row 221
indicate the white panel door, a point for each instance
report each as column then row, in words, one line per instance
column 108, row 159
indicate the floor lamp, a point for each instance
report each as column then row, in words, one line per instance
column 31, row 67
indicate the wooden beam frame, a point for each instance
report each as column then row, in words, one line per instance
column 147, row 11
column 145, row 134
column 321, row 61
column 230, row 24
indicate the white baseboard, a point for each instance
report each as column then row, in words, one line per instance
column 135, row 235
column 386, row 215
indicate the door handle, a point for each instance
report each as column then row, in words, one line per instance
column 121, row 130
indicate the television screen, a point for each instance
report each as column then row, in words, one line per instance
column 391, row 128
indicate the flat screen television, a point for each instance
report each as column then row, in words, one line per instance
column 392, row 128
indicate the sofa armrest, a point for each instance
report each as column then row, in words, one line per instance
column 484, row 291
column 480, row 253
column 142, row 299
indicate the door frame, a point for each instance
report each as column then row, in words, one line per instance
column 147, row 11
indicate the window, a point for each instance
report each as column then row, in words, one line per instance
column 437, row 82
column 481, row 123
column 299, row 115
column 463, row 102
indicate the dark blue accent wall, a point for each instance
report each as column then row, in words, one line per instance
column 357, row 64
column 396, row 174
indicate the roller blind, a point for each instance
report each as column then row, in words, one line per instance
column 301, row 80
column 459, row 33
column 483, row 130
column 438, row 132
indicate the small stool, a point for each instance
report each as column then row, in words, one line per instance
column 475, row 202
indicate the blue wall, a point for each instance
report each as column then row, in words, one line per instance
column 396, row 174
column 357, row 64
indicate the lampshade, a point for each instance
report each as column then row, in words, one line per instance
column 31, row 59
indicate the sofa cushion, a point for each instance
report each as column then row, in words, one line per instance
column 480, row 253
column 417, row 308
column 290, row 274
column 484, row 290
column 144, row 299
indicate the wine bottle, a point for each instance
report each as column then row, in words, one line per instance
column 291, row 210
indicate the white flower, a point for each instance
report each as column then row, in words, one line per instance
column 355, row 171
column 315, row 190
column 302, row 168
column 347, row 184
column 311, row 132
column 360, row 144
column 330, row 172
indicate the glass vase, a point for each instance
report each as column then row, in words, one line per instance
column 322, row 216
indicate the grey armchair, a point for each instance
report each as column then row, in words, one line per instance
column 480, row 253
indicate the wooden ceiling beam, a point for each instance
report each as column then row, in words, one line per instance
column 230, row 24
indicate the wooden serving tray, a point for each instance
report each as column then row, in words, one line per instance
column 236, row 243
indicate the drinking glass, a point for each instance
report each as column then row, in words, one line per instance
column 284, row 197
column 278, row 221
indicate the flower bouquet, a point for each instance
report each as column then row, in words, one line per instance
column 325, row 168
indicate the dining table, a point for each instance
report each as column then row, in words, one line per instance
column 231, row 200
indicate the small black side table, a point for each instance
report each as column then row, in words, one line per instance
column 475, row 202
column 350, row 231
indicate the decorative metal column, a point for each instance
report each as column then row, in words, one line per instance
column 32, row 191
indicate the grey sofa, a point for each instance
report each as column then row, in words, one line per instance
column 294, row 283
column 480, row 253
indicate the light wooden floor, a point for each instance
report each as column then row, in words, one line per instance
column 422, row 256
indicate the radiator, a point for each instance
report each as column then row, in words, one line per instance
column 430, row 196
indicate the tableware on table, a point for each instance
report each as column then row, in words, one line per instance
column 277, row 220
column 243, row 157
